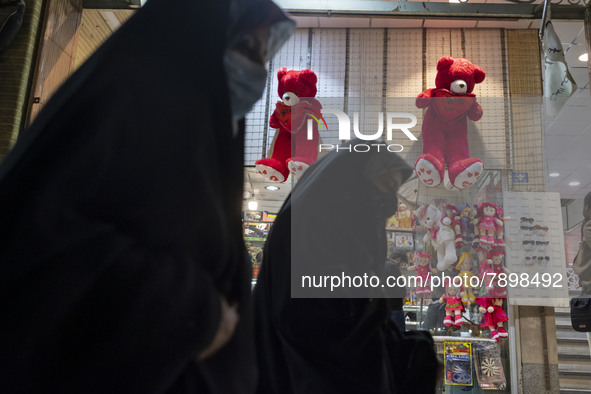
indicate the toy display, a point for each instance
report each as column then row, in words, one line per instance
column 424, row 270
column 453, row 305
column 292, row 151
column 439, row 234
column 493, row 316
column 488, row 223
column 465, row 266
column 445, row 128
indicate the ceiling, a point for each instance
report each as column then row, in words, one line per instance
column 568, row 135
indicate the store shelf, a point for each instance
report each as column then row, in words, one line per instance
column 400, row 230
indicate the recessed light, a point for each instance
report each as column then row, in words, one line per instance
column 574, row 183
column 272, row 187
column 252, row 205
column 584, row 57
column 554, row 174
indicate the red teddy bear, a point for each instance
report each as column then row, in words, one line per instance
column 293, row 150
column 445, row 129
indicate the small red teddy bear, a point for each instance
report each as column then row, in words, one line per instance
column 293, row 150
column 445, row 128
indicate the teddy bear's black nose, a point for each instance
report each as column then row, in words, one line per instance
column 287, row 98
column 462, row 85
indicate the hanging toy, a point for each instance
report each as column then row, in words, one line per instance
column 500, row 228
column 498, row 256
column 439, row 234
column 466, row 216
column 293, row 150
column 465, row 266
column 493, row 316
column 451, row 211
column 485, row 270
column 445, row 125
column 453, row 304
column 486, row 219
column 424, row 270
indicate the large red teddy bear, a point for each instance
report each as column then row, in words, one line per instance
column 445, row 128
column 293, row 150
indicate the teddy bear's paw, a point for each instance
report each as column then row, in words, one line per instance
column 270, row 173
column 297, row 168
column 427, row 173
column 469, row 176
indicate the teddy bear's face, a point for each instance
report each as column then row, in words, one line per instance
column 458, row 75
column 431, row 217
column 423, row 261
column 295, row 84
column 497, row 259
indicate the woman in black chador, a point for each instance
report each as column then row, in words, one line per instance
column 333, row 224
column 122, row 264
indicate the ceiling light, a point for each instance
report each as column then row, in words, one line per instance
column 574, row 183
column 272, row 187
column 584, row 57
column 554, row 174
column 454, row 1
column 253, row 205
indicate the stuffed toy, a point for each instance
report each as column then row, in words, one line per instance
column 404, row 216
column 488, row 223
column 453, row 305
column 500, row 229
column 466, row 216
column 493, row 316
column 422, row 265
column 451, row 211
column 485, row 268
column 465, row 266
column 498, row 256
column 293, row 152
column 445, row 128
column 439, row 234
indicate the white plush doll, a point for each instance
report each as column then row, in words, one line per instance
column 440, row 234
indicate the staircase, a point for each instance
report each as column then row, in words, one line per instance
column 574, row 362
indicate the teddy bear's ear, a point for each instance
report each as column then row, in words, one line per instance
column 479, row 74
column 309, row 77
column 444, row 63
column 281, row 73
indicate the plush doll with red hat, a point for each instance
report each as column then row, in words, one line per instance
column 424, row 270
column 293, row 150
column 488, row 222
column 445, row 128
column 493, row 316
column 453, row 303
